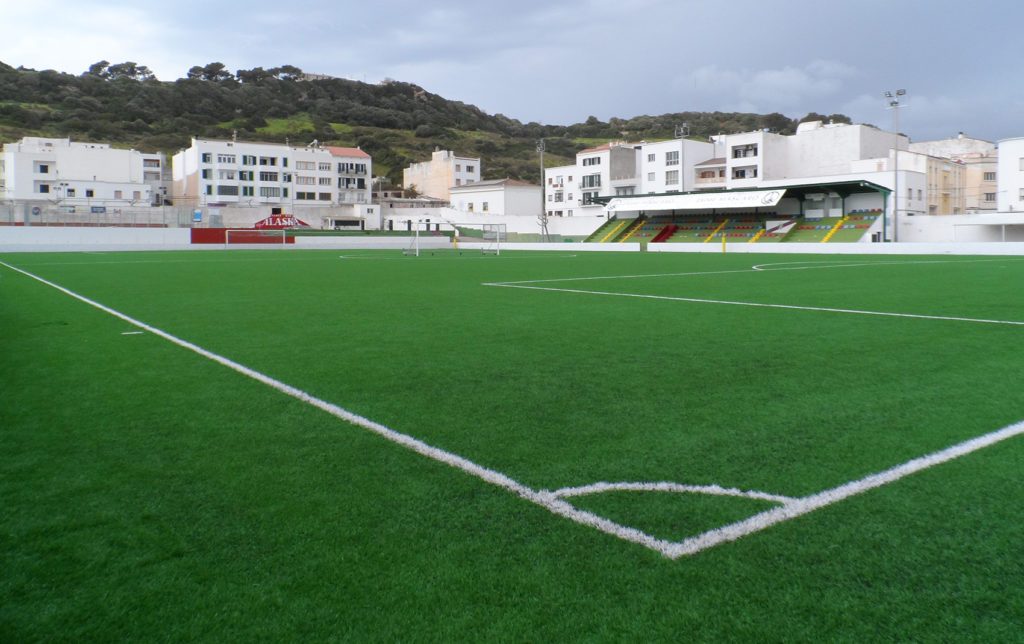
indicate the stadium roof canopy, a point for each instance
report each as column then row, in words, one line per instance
column 745, row 198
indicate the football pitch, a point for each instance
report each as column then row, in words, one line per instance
column 536, row 446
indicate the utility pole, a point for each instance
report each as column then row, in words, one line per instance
column 894, row 105
column 544, row 235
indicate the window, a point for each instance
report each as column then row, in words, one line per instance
column 284, row 192
column 469, row 207
column 484, row 207
column 625, row 191
column 286, row 177
column 247, row 191
column 270, row 192
column 588, row 198
column 118, row 194
column 44, row 188
column 304, row 165
column 245, row 175
column 209, row 189
column 910, row 194
column 592, row 161
column 591, row 181
column 71, row 193
column 89, row 193
column 1020, row 197
column 325, row 167
column 458, row 167
column 305, row 181
column 672, row 177
column 559, row 195
column 305, row 196
column 920, row 195
column 43, row 168
column 225, row 158
column 284, row 162
column 324, row 181
column 569, row 196
column 650, row 176
column 744, row 173
column 458, row 182
column 151, row 163
column 650, row 158
column 227, row 190
column 206, row 173
column 248, row 159
column 136, row 195
column 226, row 175
column 207, row 157
column 268, row 176
column 1022, row 164
column 268, row 160
column 990, row 176
column 551, row 197
column 744, row 151
column 672, row 157
column 990, row 196
column 150, row 176
column 324, row 196
column 470, row 168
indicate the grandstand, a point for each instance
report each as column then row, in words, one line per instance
column 820, row 213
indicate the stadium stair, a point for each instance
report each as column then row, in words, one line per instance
column 634, row 230
column 715, row 231
column 810, row 230
column 615, row 230
column 602, row 230
column 665, row 233
column 759, row 235
column 831, row 233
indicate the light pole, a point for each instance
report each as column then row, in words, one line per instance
column 543, row 204
column 682, row 131
column 894, row 105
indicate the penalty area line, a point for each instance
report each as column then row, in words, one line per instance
column 765, row 305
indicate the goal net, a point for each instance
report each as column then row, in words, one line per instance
column 247, row 236
column 432, row 236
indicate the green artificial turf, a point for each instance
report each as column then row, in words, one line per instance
column 150, row 493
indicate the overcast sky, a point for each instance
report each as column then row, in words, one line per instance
column 560, row 62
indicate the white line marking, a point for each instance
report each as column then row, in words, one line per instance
column 549, row 500
column 666, row 486
column 132, row 333
column 755, row 268
column 792, row 307
column 820, row 500
column 447, row 255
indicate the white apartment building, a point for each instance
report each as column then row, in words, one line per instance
column 237, row 173
column 497, row 197
column 979, row 160
column 80, row 177
column 1010, row 175
column 436, row 177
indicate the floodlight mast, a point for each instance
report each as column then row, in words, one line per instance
column 894, row 105
column 682, row 131
column 544, row 235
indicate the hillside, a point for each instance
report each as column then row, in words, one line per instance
column 398, row 123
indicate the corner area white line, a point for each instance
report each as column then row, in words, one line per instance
column 542, row 498
column 667, row 486
column 817, row 501
column 764, row 305
column 132, row 333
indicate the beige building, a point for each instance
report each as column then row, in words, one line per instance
column 436, row 177
column 979, row 160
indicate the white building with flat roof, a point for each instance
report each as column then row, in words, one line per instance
column 509, row 197
column 74, row 175
column 1010, row 175
column 241, row 173
column 444, row 171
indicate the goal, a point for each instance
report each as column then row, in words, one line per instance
column 247, row 236
column 493, row 235
column 436, row 235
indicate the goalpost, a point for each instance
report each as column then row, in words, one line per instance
column 447, row 235
column 262, row 236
